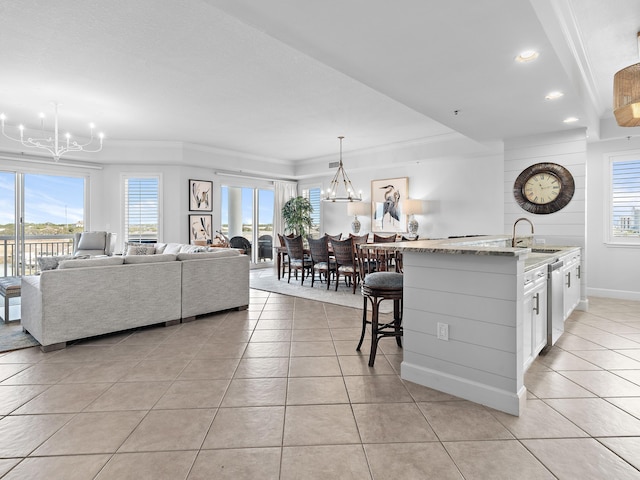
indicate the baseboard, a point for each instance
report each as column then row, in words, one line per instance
column 510, row 402
column 619, row 294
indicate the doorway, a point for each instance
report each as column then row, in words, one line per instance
column 247, row 220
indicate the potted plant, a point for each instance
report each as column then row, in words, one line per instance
column 296, row 214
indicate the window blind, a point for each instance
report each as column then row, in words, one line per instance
column 313, row 195
column 625, row 198
column 141, row 209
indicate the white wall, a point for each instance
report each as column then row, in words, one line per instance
column 567, row 226
column 614, row 271
column 463, row 195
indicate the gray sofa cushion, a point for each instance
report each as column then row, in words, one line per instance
column 137, row 259
column 91, row 262
column 224, row 252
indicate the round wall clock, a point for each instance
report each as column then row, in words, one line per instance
column 544, row 188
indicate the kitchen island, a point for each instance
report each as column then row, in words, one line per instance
column 465, row 316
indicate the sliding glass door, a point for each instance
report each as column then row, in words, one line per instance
column 247, row 220
column 39, row 214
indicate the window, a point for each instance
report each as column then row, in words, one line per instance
column 313, row 195
column 142, row 209
column 624, row 212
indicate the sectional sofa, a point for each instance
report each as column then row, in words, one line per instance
column 89, row 297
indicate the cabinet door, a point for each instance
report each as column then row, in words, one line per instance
column 539, row 318
column 534, row 323
column 527, row 330
column 571, row 278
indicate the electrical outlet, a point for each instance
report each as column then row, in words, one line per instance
column 443, row 331
column 539, row 241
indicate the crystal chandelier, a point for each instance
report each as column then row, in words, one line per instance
column 347, row 192
column 54, row 145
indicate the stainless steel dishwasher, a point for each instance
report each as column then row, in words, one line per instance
column 555, row 303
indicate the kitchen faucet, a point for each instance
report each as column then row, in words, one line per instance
column 513, row 240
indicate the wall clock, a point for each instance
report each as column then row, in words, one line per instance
column 544, row 188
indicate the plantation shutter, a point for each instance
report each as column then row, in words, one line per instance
column 142, row 209
column 625, row 199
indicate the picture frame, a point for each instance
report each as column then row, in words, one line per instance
column 387, row 205
column 200, row 230
column 200, row 193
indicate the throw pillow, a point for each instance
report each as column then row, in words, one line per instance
column 140, row 249
column 51, row 263
column 173, row 248
column 160, row 247
column 192, row 249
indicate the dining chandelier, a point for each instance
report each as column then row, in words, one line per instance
column 54, row 145
column 340, row 189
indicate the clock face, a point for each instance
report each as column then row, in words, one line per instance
column 542, row 188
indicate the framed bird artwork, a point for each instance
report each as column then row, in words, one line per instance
column 387, row 205
column 200, row 196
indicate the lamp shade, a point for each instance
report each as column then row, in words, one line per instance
column 412, row 207
column 358, row 208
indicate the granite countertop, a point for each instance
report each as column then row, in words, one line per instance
column 497, row 245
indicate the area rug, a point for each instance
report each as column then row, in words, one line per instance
column 266, row 279
column 13, row 338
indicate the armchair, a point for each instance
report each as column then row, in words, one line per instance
column 93, row 243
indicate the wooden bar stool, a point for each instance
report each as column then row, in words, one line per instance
column 377, row 287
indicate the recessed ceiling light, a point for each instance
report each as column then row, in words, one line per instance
column 570, row 120
column 527, row 56
column 553, row 95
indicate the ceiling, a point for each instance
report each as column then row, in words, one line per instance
column 281, row 79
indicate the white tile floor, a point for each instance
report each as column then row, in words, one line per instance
column 279, row 391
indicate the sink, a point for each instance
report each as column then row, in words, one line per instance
column 545, row 250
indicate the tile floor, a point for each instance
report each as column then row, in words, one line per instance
column 279, row 391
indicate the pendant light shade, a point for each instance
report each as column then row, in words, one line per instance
column 626, row 95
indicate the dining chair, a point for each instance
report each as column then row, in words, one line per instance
column 384, row 258
column 346, row 262
column 296, row 258
column 320, row 259
column 282, row 255
column 359, row 238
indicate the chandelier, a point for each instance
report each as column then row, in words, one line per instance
column 54, row 145
column 340, row 188
column 626, row 95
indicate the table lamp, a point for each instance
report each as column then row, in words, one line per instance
column 413, row 207
column 355, row 209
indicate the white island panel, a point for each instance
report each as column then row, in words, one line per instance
column 472, row 292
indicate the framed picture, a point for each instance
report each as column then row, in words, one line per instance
column 200, row 229
column 387, row 205
column 200, row 195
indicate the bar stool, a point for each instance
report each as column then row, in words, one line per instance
column 377, row 287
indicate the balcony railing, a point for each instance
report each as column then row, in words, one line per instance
column 35, row 246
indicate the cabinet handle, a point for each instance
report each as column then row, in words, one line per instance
column 569, row 279
column 579, row 272
column 537, row 307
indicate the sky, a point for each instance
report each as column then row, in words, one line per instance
column 265, row 213
column 48, row 198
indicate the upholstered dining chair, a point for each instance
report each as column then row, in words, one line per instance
column 320, row 259
column 296, row 258
column 93, row 243
column 282, row 255
column 346, row 263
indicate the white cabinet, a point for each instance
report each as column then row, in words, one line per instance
column 534, row 324
column 571, row 278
